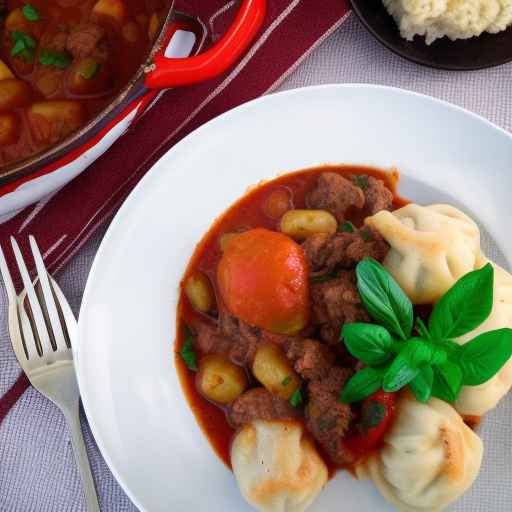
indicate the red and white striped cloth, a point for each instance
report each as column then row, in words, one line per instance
column 63, row 222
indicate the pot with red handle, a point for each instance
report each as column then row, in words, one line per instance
column 27, row 181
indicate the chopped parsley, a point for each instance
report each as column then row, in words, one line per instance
column 31, row 13
column 59, row 60
column 24, row 45
column 90, row 71
column 187, row 352
column 366, row 235
column 296, row 398
column 347, row 227
column 286, row 380
column 360, row 180
column 373, row 413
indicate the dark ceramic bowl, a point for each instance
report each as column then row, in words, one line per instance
column 485, row 51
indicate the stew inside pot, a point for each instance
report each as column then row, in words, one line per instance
column 62, row 61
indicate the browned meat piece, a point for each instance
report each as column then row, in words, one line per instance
column 367, row 244
column 311, row 359
column 336, row 302
column 335, row 194
column 237, row 329
column 259, row 404
column 324, row 252
column 54, row 40
column 209, row 341
column 83, row 39
column 377, row 196
column 327, row 419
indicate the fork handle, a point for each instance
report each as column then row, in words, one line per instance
column 77, row 440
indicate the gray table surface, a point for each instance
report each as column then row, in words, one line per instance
column 41, row 475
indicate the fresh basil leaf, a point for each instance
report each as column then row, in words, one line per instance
column 296, row 398
column 421, row 385
column 361, row 385
column 464, row 306
column 347, row 227
column 447, row 382
column 484, row 356
column 52, row 58
column 406, row 365
column 360, row 180
column 439, row 356
column 187, row 352
column 370, row 343
column 384, row 300
column 31, row 13
column 422, row 328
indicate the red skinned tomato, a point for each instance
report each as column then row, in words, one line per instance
column 263, row 280
column 377, row 413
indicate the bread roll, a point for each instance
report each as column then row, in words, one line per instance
column 277, row 466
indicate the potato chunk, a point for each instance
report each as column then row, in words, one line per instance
column 274, row 371
column 51, row 121
column 114, row 11
column 90, row 75
column 5, row 72
column 199, row 292
column 8, row 128
column 14, row 93
column 219, row 379
column 301, row 224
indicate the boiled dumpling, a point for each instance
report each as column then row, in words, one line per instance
column 429, row 457
column 277, row 466
column 477, row 400
column 431, row 248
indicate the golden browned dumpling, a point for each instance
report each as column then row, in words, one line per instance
column 431, row 248
column 430, row 457
column 277, row 466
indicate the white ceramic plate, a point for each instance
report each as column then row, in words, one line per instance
column 129, row 385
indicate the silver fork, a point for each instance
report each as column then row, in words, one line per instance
column 41, row 334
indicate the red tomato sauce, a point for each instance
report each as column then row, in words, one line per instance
column 249, row 212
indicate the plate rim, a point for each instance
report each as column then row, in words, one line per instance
column 133, row 196
column 432, row 65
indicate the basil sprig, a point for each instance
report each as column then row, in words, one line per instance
column 431, row 363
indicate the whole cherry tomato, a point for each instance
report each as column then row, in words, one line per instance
column 263, row 280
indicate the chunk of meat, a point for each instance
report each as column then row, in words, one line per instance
column 83, row 39
column 336, row 302
column 311, row 359
column 259, row 404
column 335, row 194
column 377, row 196
column 324, row 252
column 54, row 39
column 209, row 340
column 327, row 419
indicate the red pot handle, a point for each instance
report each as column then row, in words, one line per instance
column 169, row 72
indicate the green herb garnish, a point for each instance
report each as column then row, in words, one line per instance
column 360, row 180
column 286, row 380
column 31, row 13
column 296, row 398
column 187, row 352
column 91, row 70
column 322, row 279
column 372, row 414
column 24, row 45
column 347, row 227
column 366, row 235
column 59, row 60
column 431, row 364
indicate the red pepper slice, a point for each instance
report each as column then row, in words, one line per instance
column 376, row 416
